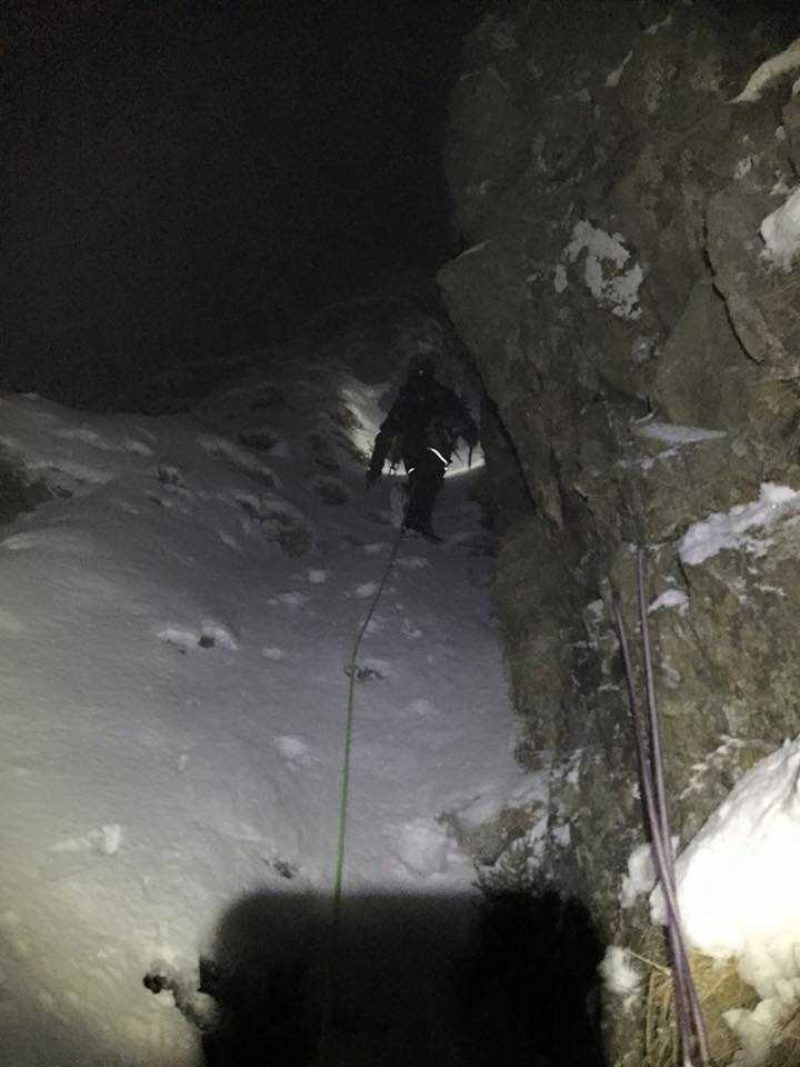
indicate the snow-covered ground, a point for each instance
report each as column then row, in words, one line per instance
column 176, row 621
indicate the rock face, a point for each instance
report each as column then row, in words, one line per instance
column 636, row 322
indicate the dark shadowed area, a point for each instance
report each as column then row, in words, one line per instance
column 406, row 979
column 186, row 181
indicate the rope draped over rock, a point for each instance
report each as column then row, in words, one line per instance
column 647, row 734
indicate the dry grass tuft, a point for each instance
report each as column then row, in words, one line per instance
column 786, row 1052
column 719, row 987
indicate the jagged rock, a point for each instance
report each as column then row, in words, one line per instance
column 703, row 377
column 641, row 355
column 763, row 306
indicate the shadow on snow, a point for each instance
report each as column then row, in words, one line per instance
column 506, row 980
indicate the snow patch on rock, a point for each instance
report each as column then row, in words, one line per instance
column 640, row 877
column 613, row 79
column 730, row 529
column 675, row 434
column 614, row 285
column 672, row 598
column 771, row 69
column 654, row 27
column 781, row 232
column 619, row 975
column 737, row 891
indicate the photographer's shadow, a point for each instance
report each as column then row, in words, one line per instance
column 404, row 980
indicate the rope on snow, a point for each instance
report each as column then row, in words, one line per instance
column 348, row 730
column 344, row 800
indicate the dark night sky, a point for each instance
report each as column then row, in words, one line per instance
column 186, row 180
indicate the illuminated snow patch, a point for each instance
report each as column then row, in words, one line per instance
column 737, row 892
column 613, row 286
column 363, row 403
column 640, row 877
column 653, row 29
column 771, row 69
column 619, row 975
column 459, row 464
column 613, row 80
column 672, row 598
column 425, row 848
column 729, row 530
column 676, row 434
column 156, row 775
column 781, row 232
column 737, row 880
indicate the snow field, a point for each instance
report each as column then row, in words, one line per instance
column 175, row 625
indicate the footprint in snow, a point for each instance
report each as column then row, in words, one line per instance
column 213, row 636
column 283, row 867
column 425, row 847
column 375, row 625
column 331, row 491
column 382, row 517
column 170, row 476
column 290, row 600
column 139, row 448
column 294, row 751
column 71, row 542
column 231, row 542
column 87, row 436
column 376, row 548
column 258, row 438
column 423, row 709
column 91, row 437
column 105, row 840
column 210, row 636
column 369, row 670
column 13, row 933
column 19, row 542
column 241, row 459
column 10, row 623
column 70, row 857
column 413, row 563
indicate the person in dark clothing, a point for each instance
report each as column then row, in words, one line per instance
column 422, row 428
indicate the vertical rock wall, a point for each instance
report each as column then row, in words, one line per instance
column 639, row 337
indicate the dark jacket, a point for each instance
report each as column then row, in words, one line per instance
column 424, row 416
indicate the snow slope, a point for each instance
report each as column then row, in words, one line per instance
column 175, row 625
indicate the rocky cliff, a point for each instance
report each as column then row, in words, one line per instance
column 622, row 175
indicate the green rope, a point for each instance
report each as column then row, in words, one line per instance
column 345, row 797
column 348, row 732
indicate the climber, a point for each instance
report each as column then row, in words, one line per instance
column 421, row 429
